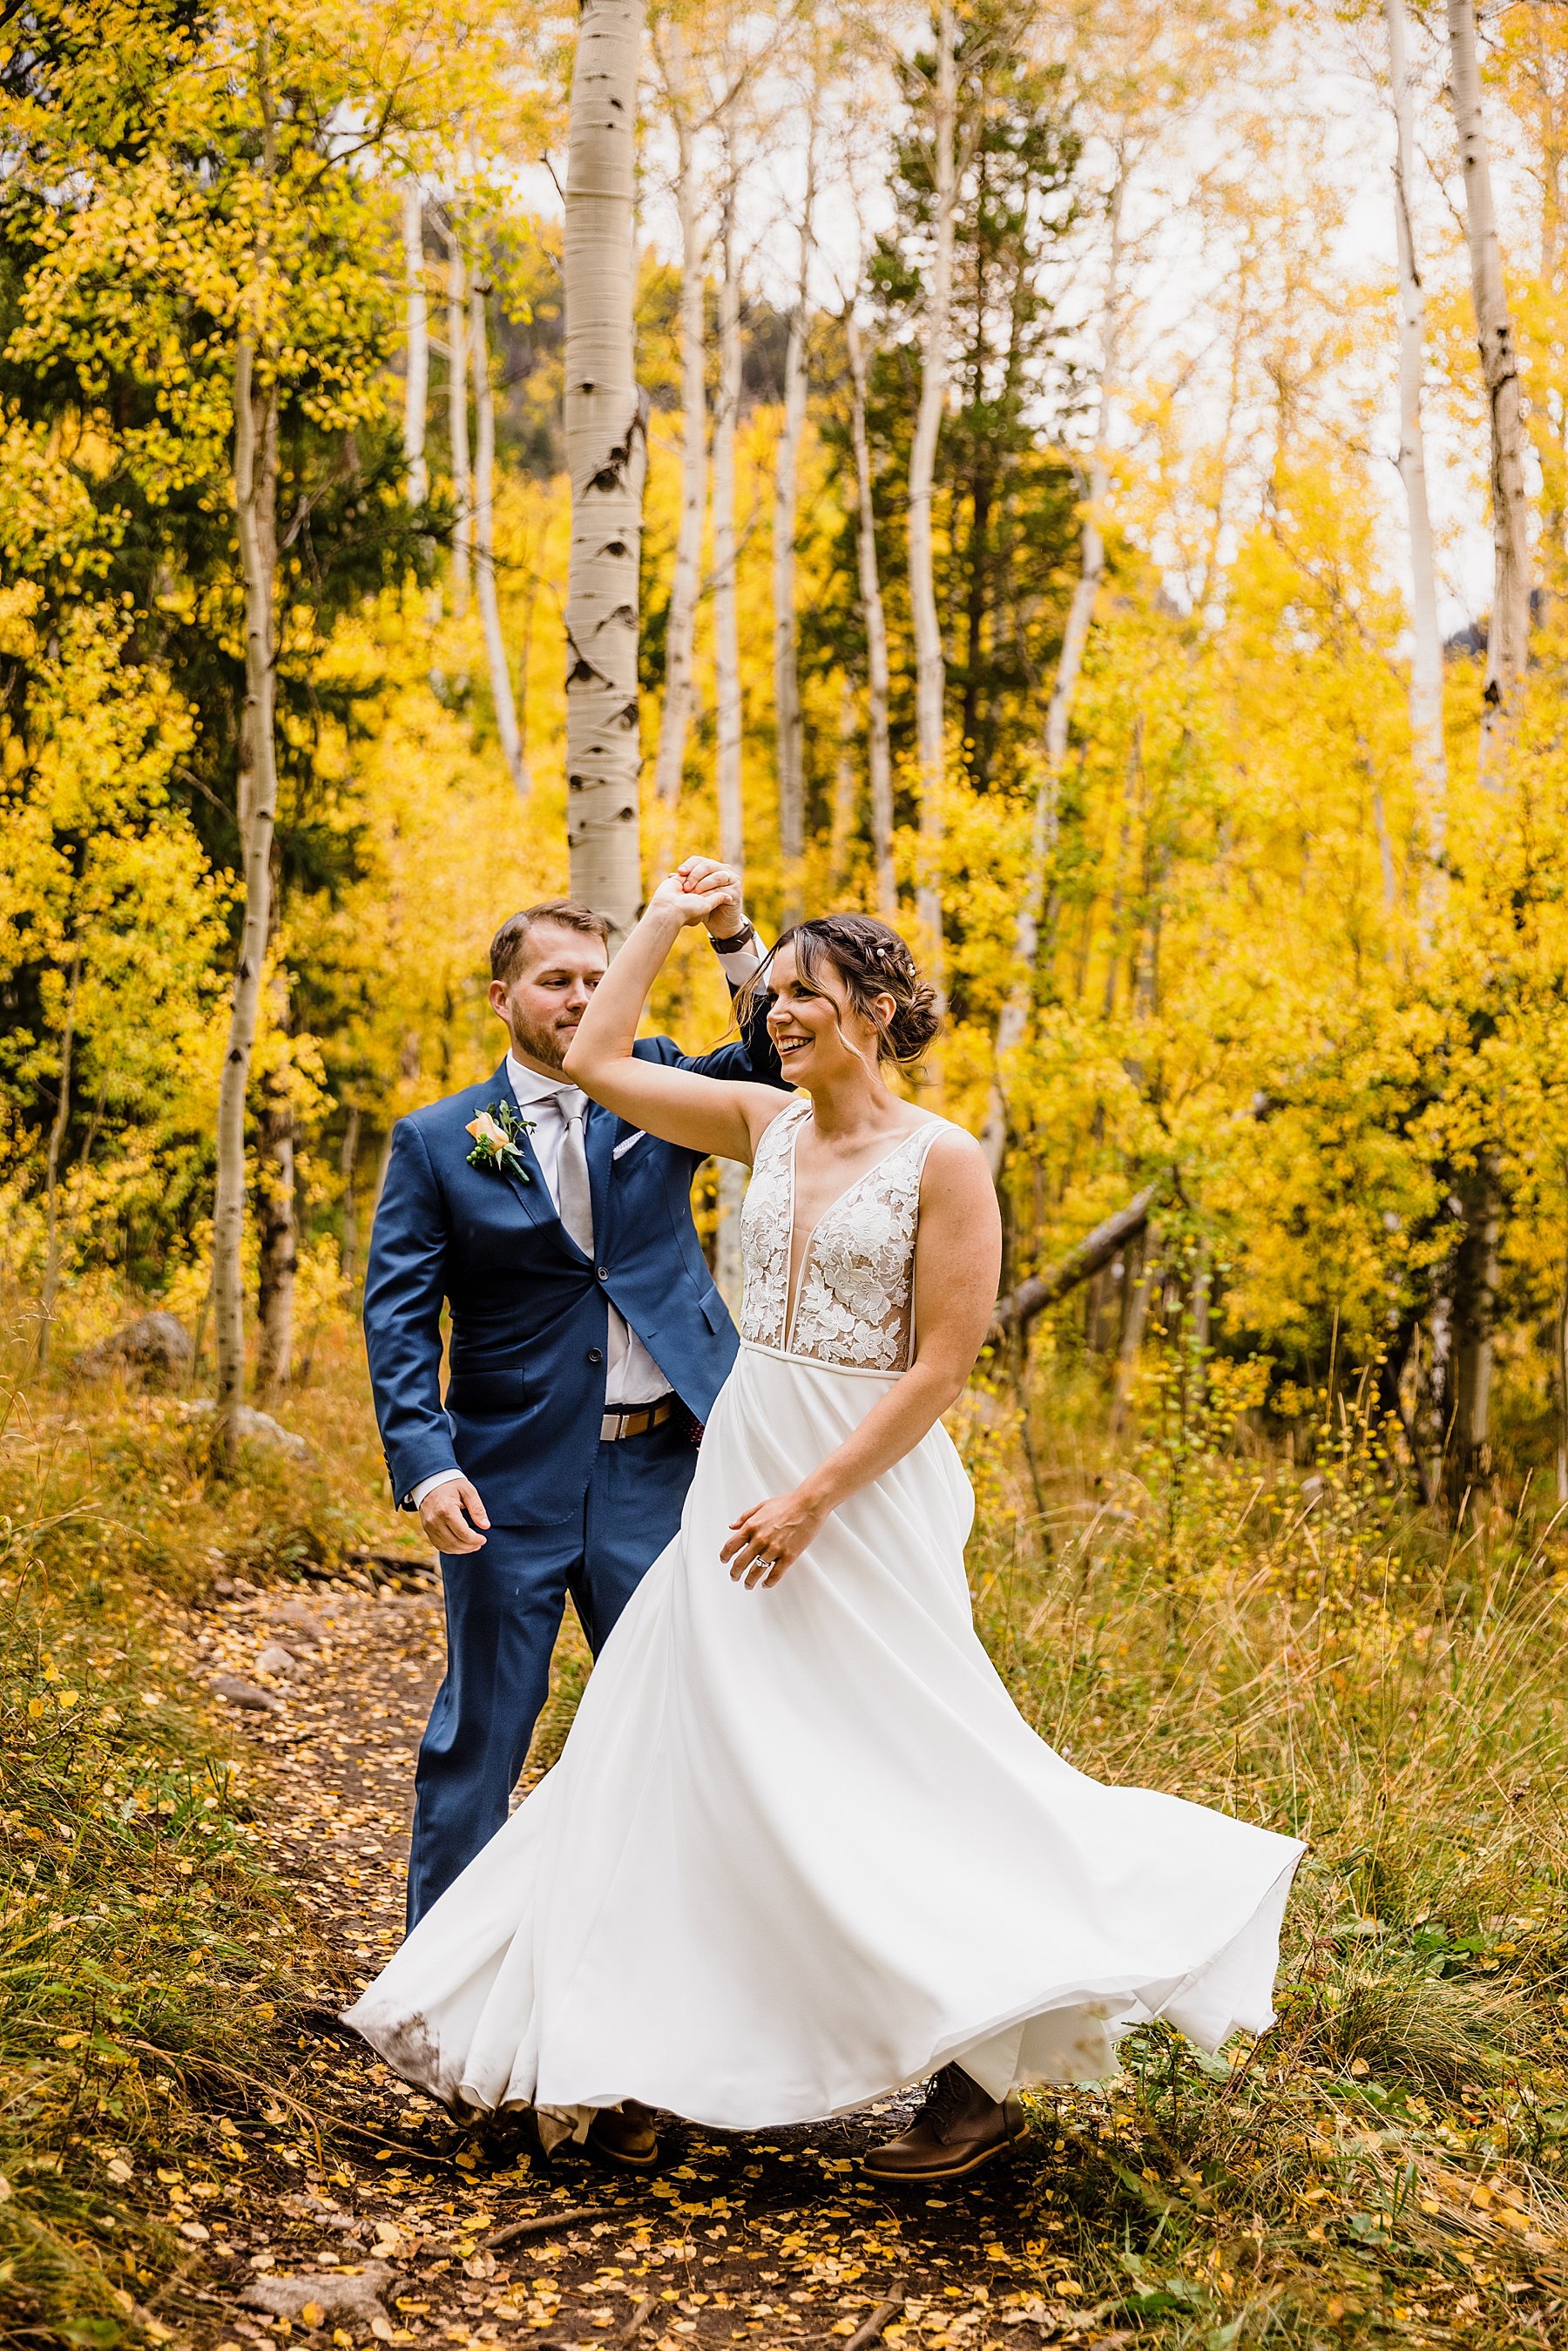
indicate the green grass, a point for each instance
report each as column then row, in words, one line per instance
column 143, row 1936
column 1314, row 1654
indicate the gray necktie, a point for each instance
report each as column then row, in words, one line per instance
column 573, row 1198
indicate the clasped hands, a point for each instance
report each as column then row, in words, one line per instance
column 701, row 890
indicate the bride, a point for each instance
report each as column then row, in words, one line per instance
column 801, row 1850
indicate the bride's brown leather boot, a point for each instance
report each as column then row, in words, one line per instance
column 960, row 2127
column 625, row 2136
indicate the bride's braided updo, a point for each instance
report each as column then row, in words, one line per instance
column 872, row 961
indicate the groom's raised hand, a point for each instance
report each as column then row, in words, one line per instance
column 452, row 1515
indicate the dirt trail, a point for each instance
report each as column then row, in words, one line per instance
column 774, row 2238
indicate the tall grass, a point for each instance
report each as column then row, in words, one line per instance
column 1310, row 1652
column 142, row 1931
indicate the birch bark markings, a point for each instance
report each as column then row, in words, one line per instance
column 256, row 513
column 786, row 626
column 501, row 694
column 727, row 708
column 674, row 718
column 1059, row 710
column 879, row 759
column 457, row 422
column 1426, row 659
column 1508, row 637
column 930, row 667
column 727, row 702
column 416, row 376
column 606, row 458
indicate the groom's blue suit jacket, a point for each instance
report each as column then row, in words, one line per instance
column 521, row 1413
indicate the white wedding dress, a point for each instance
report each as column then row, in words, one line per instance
column 801, row 1849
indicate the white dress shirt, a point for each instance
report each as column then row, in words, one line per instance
column 632, row 1377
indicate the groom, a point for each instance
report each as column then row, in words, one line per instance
column 588, row 1343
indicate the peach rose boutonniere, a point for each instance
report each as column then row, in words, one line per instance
column 497, row 1134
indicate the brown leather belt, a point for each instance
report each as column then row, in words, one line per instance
column 616, row 1425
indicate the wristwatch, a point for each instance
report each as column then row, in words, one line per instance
column 737, row 940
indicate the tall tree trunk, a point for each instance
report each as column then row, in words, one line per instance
column 1427, row 662
column 727, row 703
column 785, row 631
column 417, row 380
column 674, row 718
column 728, row 709
column 457, row 422
column 1508, row 635
column 930, row 667
column 1468, row 1462
column 348, row 1162
column 606, row 451
column 1014, row 1017
column 501, row 695
column 52, row 1169
column 256, row 511
column 844, row 791
column 277, row 1252
column 879, row 759
column 1508, row 651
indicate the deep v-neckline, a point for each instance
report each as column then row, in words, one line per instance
column 795, row 1278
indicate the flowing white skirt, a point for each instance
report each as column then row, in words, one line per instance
column 801, row 1848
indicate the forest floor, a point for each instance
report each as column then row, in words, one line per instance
column 211, row 1695
column 778, row 2239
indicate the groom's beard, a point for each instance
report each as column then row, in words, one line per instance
column 547, row 1045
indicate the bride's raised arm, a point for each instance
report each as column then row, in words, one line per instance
column 724, row 1115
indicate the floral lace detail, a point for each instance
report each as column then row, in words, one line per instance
column 853, row 1305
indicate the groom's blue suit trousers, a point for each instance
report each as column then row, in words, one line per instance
column 503, row 1609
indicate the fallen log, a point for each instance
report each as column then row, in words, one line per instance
column 1017, row 1310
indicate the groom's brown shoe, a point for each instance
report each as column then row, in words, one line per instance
column 959, row 2129
column 623, row 2136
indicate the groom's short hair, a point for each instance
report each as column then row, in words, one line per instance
column 509, row 948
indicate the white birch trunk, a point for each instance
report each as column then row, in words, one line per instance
column 1426, row 659
column 1508, row 636
column 930, row 666
column 457, row 424
column 606, row 452
column 728, row 709
column 1014, row 1018
column 786, row 633
column 255, row 511
column 501, row 694
column 1508, row 649
column 675, row 715
column 417, row 380
column 879, row 759
column 727, row 703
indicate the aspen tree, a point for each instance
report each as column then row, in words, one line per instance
column 1426, row 661
column 1059, row 710
column 930, row 665
column 457, row 421
column 256, row 513
column 501, row 694
column 1508, row 634
column 606, row 452
column 728, row 711
column 674, row 717
column 1475, row 1266
column 416, row 379
column 879, row 759
column 786, row 627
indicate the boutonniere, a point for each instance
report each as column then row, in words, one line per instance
column 498, row 1135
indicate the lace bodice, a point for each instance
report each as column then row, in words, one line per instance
column 853, row 1302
